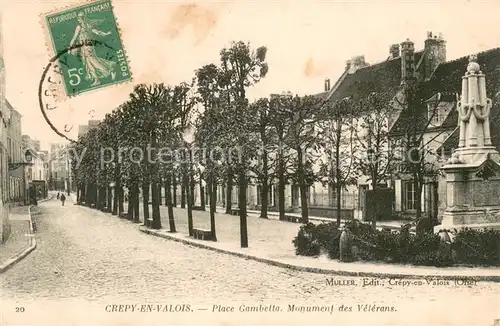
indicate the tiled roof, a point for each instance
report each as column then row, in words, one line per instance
column 447, row 79
column 450, row 143
column 383, row 77
column 448, row 76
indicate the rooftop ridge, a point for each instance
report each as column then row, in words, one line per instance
column 467, row 56
column 385, row 61
column 336, row 85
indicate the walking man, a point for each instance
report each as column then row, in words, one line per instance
column 63, row 198
column 57, row 195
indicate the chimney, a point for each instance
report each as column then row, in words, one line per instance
column 348, row 65
column 407, row 60
column 327, row 84
column 394, row 51
column 356, row 63
column 435, row 53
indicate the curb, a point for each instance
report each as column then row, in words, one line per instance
column 21, row 254
column 46, row 199
column 478, row 278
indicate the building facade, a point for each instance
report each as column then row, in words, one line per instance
column 4, row 206
column 31, row 143
column 386, row 78
column 17, row 174
column 58, row 167
column 435, row 118
column 83, row 129
column 37, row 171
column 37, row 174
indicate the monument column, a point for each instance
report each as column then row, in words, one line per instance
column 473, row 171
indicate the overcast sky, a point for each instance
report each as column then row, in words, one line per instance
column 307, row 41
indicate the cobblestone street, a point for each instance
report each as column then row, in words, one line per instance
column 88, row 255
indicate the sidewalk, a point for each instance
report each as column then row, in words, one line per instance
column 275, row 216
column 20, row 241
column 270, row 241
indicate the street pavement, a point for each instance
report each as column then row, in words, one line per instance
column 89, row 260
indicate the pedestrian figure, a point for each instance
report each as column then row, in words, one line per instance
column 63, row 198
column 57, row 195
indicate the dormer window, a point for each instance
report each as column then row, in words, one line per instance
column 437, row 112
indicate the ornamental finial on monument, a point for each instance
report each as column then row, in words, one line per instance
column 473, row 67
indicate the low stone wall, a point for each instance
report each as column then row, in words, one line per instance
column 273, row 208
column 318, row 211
column 331, row 212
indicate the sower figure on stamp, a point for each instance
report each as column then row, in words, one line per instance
column 96, row 67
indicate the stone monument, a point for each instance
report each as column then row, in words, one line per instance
column 473, row 171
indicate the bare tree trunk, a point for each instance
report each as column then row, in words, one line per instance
column 174, row 187
column 155, row 186
column 102, row 198
column 242, row 200
column 136, row 203
column 160, row 186
column 202, row 194
column 418, row 198
column 145, row 201
column 229, row 190
column 130, row 206
column 166, row 190
column 82, row 194
column 116, row 192
column 375, row 203
column 264, row 193
column 114, row 210
column 183, row 195
column 212, row 193
column 303, row 188
column 187, row 185
column 168, row 198
column 192, row 184
column 96, row 196
column 281, row 190
column 89, row 194
column 120, row 199
column 338, row 174
column 109, row 198
column 155, row 194
column 338, row 198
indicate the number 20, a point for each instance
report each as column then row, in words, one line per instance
column 74, row 72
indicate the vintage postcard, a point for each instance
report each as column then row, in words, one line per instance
column 249, row 163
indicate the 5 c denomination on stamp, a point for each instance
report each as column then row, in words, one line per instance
column 94, row 55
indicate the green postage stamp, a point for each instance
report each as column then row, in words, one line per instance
column 86, row 40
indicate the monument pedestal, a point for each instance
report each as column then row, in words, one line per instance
column 472, row 191
column 470, row 218
column 473, row 172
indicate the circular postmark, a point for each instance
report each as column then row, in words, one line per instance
column 51, row 91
